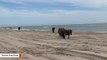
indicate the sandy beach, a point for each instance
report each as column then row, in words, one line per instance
column 45, row 45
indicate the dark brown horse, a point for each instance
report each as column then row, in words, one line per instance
column 63, row 32
column 68, row 32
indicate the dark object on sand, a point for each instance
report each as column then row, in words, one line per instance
column 63, row 32
column 53, row 29
column 10, row 27
column 19, row 28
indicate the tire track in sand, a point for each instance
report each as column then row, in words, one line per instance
column 89, row 55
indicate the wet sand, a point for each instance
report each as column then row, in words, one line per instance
column 45, row 45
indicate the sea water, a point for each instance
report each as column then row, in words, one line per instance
column 97, row 27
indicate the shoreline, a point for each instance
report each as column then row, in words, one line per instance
column 56, row 31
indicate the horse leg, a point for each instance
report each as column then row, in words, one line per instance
column 63, row 36
column 68, row 36
column 60, row 34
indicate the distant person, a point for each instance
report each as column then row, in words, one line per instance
column 19, row 28
column 53, row 29
column 10, row 27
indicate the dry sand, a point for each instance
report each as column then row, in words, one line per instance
column 44, row 45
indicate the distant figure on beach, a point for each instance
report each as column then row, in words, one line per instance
column 10, row 27
column 19, row 28
column 53, row 29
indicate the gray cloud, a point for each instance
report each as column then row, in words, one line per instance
column 55, row 16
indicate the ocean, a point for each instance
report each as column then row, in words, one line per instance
column 95, row 27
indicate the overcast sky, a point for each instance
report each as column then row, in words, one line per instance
column 44, row 12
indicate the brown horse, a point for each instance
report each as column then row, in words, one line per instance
column 68, row 32
column 63, row 32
